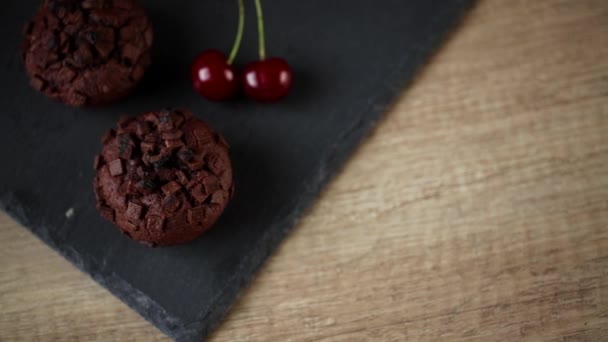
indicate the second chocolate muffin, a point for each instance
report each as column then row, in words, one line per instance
column 87, row 52
column 163, row 177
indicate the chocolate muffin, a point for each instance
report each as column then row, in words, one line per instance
column 163, row 177
column 87, row 52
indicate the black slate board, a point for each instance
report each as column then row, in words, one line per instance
column 352, row 57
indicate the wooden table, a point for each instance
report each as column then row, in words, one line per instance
column 477, row 210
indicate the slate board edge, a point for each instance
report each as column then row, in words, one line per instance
column 333, row 160
column 342, row 149
column 120, row 288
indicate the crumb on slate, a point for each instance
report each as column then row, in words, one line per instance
column 69, row 213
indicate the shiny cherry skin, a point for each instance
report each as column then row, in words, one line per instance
column 268, row 80
column 212, row 76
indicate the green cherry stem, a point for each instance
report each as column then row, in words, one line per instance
column 239, row 33
column 261, row 41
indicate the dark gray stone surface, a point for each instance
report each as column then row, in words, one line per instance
column 351, row 59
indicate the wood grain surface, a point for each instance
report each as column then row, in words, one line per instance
column 476, row 211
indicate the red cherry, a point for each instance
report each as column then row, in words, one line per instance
column 213, row 77
column 268, row 80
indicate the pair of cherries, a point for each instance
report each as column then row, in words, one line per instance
column 267, row 80
column 215, row 77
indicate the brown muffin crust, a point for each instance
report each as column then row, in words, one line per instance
column 163, row 177
column 87, row 52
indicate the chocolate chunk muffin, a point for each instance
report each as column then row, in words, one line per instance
column 87, row 52
column 163, row 177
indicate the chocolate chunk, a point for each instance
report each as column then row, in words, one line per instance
column 219, row 197
column 147, row 147
column 66, row 74
column 97, row 192
column 165, row 126
column 195, row 164
column 80, row 36
column 196, row 214
column 171, row 204
column 96, row 162
column 214, row 163
column 115, row 167
column 107, row 213
column 152, row 137
column 131, row 53
column 199, row 176
column 213, row 210
column 185, row 154
column 175, row 143
column 82, row 56
column 140, row 172
column 171, row 188
column 198, row 193
column 142, row 128
column 178, row 121
column 151, row 117
column 226, row 180
column 149, row 36
column 192, row 183
column 211, row 184
column 134, row 211
column 181, row 177
column 126, row 225
column 155, row 223
column 171, row 135
column 38, row 83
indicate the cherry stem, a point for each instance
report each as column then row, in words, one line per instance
column 261, row 41
column 239, row 33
